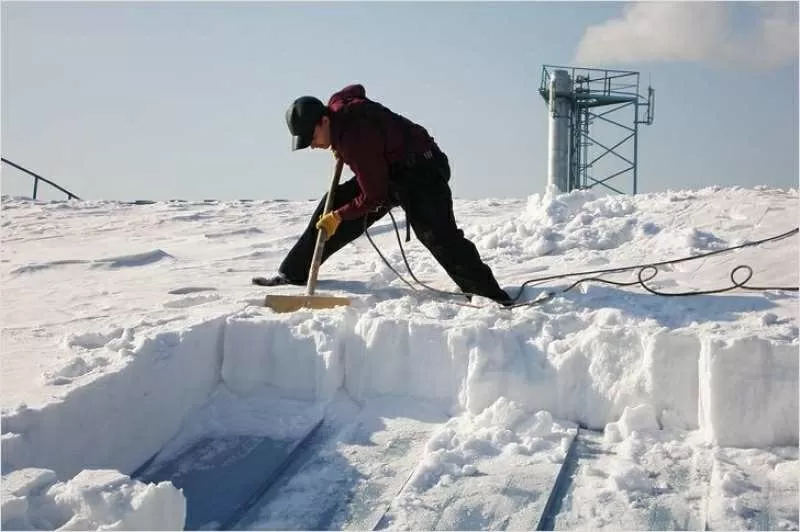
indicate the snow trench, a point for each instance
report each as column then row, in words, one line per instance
column 584, row 367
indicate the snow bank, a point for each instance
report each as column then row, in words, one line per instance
column 118, row 417
column 586, row 367
column 33, row 499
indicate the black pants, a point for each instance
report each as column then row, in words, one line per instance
column 424, row 194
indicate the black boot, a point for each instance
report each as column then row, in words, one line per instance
column 277, row 280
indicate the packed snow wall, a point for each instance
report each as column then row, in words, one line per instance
column 583, row 367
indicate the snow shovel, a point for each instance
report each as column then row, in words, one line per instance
column 284, row 303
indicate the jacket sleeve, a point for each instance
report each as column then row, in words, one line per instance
column 364, row 152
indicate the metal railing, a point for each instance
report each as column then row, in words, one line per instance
column 37, row 178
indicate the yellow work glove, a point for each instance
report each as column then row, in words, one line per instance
column 329, row 223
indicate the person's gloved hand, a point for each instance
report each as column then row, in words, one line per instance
column 329, row 223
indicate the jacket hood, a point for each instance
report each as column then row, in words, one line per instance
column 347, row 95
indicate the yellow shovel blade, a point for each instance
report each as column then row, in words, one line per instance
column 283, row 303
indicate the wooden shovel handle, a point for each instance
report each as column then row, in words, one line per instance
column 315, row 261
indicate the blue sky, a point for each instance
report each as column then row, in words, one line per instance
column 158, row 100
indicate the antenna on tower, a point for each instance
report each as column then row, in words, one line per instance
column 585, row 107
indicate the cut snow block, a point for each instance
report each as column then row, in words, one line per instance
column 749, row 392
column 222, row 476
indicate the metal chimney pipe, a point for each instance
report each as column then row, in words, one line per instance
column 560, row 109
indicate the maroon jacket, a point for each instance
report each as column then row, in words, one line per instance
column 370, row 138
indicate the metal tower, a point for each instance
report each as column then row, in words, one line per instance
column 608, row 100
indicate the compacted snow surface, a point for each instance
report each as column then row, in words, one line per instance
column 132, row 330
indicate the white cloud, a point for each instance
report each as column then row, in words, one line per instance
column 693, row 31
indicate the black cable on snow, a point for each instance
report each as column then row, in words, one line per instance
column 590, row 276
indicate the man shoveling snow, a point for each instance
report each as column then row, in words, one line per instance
column 396, row 163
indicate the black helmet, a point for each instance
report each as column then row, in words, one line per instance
column 301, row 117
